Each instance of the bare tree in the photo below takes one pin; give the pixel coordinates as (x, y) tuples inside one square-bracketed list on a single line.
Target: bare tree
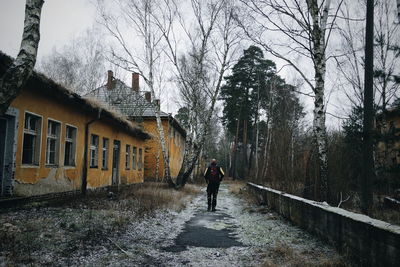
[(398, 10), (212, 40), (16, 76), (79, 65), (303, 30), (351, 61), (138, 48)]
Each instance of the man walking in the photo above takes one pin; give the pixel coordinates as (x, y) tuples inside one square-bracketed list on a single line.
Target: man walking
[(213, 176)]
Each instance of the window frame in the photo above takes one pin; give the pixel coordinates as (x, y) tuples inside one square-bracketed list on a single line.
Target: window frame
[(140, 159), (57, 138), (74, 143), (38, 142), (127, 157), (105, 153), (134, 158), (95, 148)]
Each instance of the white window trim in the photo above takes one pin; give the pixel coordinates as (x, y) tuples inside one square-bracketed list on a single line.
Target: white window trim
[(90, 150), (127, 157), (140, 157), (76, 145), (107, 152), (40, 140), (134, 159), (57, 163)]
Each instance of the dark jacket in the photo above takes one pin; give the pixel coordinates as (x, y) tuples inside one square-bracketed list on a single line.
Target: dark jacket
[(207, 173)]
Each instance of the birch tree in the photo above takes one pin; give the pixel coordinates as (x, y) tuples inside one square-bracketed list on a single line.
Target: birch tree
[(302, 31), (139, 48), (212, 39), (79, 65), (16, 76)]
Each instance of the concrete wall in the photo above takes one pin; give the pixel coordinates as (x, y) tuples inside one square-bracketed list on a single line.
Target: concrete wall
[(368, 241)]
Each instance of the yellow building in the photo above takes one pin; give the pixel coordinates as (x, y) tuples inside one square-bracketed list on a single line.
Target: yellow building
[(138, 106), (53, 140)]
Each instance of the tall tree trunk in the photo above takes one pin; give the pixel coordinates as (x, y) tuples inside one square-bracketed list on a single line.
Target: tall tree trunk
[(319, 128), (368, 161), (257, 132), (16, 76), (398, 10), (185, 171), (245, 163), (234, 149)]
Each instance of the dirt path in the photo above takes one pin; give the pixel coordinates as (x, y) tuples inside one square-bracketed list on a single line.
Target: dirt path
[(237, 234)]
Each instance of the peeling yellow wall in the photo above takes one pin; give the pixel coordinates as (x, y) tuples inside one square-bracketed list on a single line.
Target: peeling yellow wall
[(175, 145), (32, 180)]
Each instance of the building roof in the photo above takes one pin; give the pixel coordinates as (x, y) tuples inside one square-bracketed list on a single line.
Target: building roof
[(127, 101), (43, 85), (130, 103)]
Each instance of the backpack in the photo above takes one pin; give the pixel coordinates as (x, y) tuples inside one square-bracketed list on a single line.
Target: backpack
[(214, 174)]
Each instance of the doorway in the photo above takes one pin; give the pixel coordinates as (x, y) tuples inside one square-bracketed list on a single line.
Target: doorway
[(3, 136), (115, 162), (8, 134)]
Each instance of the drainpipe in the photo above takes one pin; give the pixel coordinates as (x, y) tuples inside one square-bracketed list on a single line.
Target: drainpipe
[(85, 154)]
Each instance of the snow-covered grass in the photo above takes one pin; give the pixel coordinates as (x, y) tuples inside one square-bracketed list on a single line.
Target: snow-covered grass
[(66, 233)]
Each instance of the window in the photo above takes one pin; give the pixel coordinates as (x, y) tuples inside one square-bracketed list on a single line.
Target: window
[(94, 150), (31, 145), (134, 158), (53, 142), (70, 146), (105, 154), (140, 160), (127, 157)]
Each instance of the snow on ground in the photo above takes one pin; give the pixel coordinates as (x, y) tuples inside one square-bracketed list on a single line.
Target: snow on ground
[(263, 236)]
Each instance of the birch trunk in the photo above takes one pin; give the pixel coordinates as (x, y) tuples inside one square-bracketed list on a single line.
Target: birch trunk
[(184, 175), (319, 128), (16, 76), (398, 10)]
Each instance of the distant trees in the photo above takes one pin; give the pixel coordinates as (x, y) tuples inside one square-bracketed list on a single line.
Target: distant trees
[(303, 30), (16, 76), (263, 116), (80, 64), (245, 90)]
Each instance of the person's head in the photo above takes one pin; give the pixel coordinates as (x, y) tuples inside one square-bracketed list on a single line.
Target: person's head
[(213, 162)]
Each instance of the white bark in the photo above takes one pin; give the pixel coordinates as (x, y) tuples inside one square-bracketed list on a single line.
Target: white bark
[(139, 17), (16, 76), (305, 32), (211, 42), (319, 29)]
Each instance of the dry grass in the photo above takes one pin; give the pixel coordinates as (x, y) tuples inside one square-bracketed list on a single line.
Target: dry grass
[(83, 223), (284, 255), (152, 196), (240, 189)]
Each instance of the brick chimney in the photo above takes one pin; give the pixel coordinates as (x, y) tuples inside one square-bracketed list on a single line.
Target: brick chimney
[(135, 82), (110, 79), (147, 96)]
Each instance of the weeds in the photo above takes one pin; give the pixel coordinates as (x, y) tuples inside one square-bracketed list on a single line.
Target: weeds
[(284, 255), (74, 226)]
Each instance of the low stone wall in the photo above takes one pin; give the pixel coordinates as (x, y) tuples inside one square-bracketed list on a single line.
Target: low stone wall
[(368, 241)]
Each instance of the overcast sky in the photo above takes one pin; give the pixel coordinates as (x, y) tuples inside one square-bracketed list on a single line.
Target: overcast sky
[(61, 21)]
